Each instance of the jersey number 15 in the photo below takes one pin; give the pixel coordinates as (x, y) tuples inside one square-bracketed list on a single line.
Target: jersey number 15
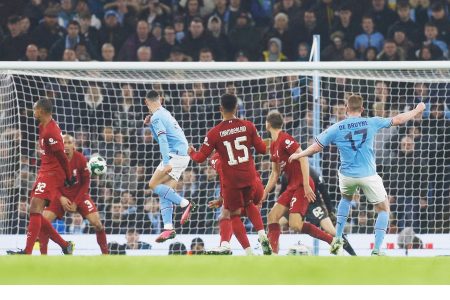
[(237, 146)]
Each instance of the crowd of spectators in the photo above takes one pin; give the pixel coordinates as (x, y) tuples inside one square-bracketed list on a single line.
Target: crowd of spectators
[(223, 30)]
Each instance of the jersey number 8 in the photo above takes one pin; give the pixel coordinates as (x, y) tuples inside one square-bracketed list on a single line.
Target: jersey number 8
[(237, 146)]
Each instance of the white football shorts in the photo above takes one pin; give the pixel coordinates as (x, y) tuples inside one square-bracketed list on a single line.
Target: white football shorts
[(372, 187), (179, 164)]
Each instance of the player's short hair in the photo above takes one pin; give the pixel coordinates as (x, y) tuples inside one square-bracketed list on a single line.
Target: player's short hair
[(152, 95), (45, 104), (275, 119), (69, 137), (354, 102), (228, 102)]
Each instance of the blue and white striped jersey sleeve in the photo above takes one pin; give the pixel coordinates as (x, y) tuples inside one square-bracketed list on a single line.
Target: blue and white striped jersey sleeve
[(327, 136), (377, 122)]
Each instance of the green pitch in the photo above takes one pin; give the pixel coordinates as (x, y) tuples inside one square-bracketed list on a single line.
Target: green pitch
[(222, 270)]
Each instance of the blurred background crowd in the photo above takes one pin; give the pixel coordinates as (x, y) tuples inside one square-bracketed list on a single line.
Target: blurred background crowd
[(223, 30)]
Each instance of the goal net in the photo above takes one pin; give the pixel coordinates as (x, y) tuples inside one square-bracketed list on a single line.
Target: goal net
[(104, 110)]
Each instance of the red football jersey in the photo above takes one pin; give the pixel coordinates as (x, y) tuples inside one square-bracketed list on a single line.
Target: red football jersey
[(280, 150), (50, 142), (78, 165), (233, 140)]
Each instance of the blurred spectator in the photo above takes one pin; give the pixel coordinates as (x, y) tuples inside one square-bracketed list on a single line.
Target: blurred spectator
[(235, 10), (70, 41), (156, 12), (311, 27), (326, 12), (43, 54), (335, 50), (405, 23), (369, 37), (89, 33), (108, 52), (31, 53), (219, 38), (112, 31), (144, 53), (382, 16), (346, 24), (403, 43), (95, 105), (281, 30), (178, 25), (349, 54), (191, 10), (431, 38), (370, 54), (113, 219), (222, 11), (34, 10), (189, 184), (177, 248), (66, 14), (82, 10), (407, 177), (25, 25), (48, 31), (241, 57), (168, 42), (244, 37), (142, 37), (196, 39), (261, 11), (14, 45), (127, 12), (197, 246), (133, 242), (69, 55), (440, 18), (152, 216), (274, 51), (205, 55), (391, 52), (77, 225), (303, 52)]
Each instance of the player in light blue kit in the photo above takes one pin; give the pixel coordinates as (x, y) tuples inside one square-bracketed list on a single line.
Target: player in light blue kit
[(173, 147), (354, 138)]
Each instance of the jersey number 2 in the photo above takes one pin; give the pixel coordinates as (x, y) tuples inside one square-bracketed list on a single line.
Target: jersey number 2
[(350, 137), (238, 146)]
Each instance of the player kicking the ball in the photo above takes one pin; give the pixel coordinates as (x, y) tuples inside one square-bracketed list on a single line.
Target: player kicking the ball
[(300, 190), (225, 228), (75, 198), (354, 138), (53, 174), (175, 159), (233, 139)]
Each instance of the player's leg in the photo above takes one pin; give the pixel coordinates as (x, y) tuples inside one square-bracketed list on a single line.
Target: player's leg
[(254, 215), (43, 235), (274, 229), (347, 187), (225, 231), (375, 193), (239, 231), (95, 221), (34, 227)]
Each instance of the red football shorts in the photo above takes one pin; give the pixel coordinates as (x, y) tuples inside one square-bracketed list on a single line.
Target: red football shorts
[(85, 207), (236, 198), (46, 187), (296, 200)]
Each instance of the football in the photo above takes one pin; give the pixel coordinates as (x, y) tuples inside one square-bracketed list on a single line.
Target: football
[(97, 165), (299, 249)]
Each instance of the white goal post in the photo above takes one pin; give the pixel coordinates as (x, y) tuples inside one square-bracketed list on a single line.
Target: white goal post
[(101, 105)]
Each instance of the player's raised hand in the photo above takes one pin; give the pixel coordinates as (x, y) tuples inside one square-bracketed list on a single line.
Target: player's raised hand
[(309, 193), (147, 119), (67, 204), (167, 169), (421, 107)]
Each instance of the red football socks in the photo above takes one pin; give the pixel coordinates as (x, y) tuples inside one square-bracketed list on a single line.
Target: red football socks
[(314, 231), (255, 217), (33, 231), (226, 230), (239, 231), (274, 235), (52, 233), (101, 240), (43, 242)]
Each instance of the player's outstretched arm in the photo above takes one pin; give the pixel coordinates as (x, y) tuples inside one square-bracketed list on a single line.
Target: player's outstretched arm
[(304, 165), (313, 149), (273, 178), (406, 116)]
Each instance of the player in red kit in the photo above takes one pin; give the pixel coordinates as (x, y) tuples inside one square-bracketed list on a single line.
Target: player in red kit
[(53, 174), (75, 198), (233, 139), (300, 190), (225, 229)]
